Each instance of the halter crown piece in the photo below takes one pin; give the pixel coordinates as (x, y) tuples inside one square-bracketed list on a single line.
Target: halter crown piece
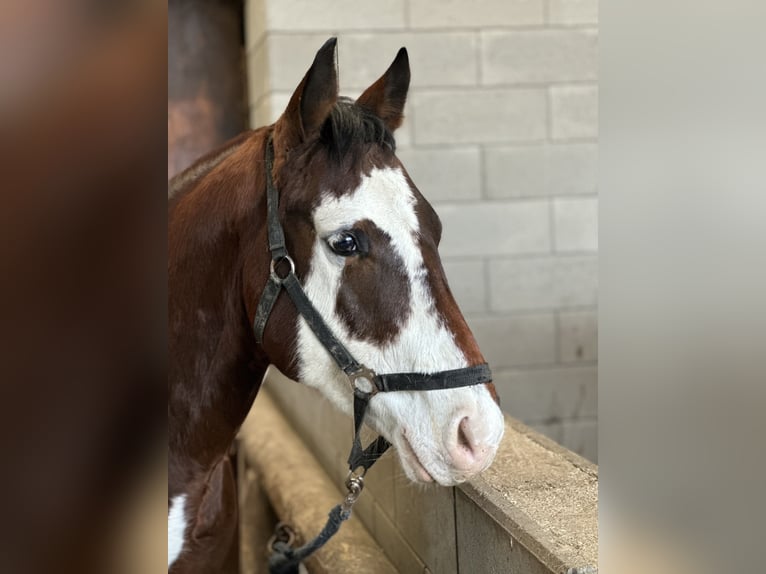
[(364, 382)]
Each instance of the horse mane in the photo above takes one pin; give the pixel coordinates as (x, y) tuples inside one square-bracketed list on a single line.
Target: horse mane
[(185, 179)]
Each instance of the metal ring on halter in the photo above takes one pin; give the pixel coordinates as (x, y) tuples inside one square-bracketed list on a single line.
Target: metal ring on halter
[(275, 262), (363, 380)]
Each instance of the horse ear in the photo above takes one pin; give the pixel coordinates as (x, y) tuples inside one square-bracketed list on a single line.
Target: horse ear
[(312, 100), (386, 97)]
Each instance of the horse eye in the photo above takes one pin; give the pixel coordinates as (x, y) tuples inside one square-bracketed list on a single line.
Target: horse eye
[(344, 244)]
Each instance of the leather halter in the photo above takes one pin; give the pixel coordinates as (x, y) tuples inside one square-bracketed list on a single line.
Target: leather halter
[(364, 382)]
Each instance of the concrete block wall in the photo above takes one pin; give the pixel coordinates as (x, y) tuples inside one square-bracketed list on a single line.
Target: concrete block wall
[(500, 135)]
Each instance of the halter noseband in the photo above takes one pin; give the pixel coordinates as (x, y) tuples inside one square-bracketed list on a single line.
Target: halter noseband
[(363, 380)]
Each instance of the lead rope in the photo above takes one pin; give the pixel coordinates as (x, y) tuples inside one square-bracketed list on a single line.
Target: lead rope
[(287, 560)]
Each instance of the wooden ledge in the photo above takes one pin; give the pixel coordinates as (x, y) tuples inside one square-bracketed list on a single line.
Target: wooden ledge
[(545, 496)]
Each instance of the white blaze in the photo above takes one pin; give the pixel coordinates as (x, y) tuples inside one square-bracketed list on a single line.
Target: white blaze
[(424, 344)]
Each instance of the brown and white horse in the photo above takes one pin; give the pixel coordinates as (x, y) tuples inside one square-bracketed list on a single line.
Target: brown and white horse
[(365, 245)]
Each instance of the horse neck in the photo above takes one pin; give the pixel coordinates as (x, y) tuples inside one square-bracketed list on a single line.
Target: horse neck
[(214, 368)]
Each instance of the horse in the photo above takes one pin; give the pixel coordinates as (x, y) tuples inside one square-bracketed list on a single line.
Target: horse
[(364, 246)]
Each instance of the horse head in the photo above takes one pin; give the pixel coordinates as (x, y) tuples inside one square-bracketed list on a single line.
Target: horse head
[(365, 245)]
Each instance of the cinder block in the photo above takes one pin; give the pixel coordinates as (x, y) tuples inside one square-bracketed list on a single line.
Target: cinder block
[(258, 74), (540, 170), (255, 22), (543, 395), (527, 56), (270, 108), (580, 436), (444, 174), (459, 14), (576, 224), (425, 516), (260, 115), (573, 11), (467, 281), (577, 336), (543, 283), (574, 112), (437, 59), (497, 228), (516, 340), (403, 135), (334, 15), (253, 116), (479, 116), (283, 60)]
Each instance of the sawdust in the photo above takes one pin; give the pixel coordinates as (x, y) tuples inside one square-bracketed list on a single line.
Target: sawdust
[(555, 489)]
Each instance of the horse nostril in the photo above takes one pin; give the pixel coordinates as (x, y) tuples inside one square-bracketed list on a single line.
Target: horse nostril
[(468, 451), (462, 436)]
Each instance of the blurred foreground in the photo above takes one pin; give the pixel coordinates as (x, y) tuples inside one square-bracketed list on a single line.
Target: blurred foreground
[(82, 295)]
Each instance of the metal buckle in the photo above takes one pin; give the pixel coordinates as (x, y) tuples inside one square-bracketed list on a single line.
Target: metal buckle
[(354, 486), (363, 380), (275, 262)]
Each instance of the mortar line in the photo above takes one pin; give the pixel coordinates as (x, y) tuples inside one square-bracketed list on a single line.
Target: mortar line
[(527, 256), (509, 85), (531, 312), (446, 29), (549, 112), (483, 192), (487, 290), (410, 117), (529, 368), (479, 51), (506, 200), (552, 224)]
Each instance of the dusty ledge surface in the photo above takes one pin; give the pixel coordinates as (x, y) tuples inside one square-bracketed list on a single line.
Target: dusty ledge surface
[(545, 496)]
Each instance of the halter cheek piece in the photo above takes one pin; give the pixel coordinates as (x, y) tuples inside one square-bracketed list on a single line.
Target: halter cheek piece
[(364, 382)]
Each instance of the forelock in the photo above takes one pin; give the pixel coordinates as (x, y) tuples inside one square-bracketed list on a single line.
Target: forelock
[(349, 127)]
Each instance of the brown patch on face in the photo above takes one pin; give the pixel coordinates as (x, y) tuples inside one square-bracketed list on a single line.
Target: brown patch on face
[(374, 297), (301, 175), (446, 306)]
